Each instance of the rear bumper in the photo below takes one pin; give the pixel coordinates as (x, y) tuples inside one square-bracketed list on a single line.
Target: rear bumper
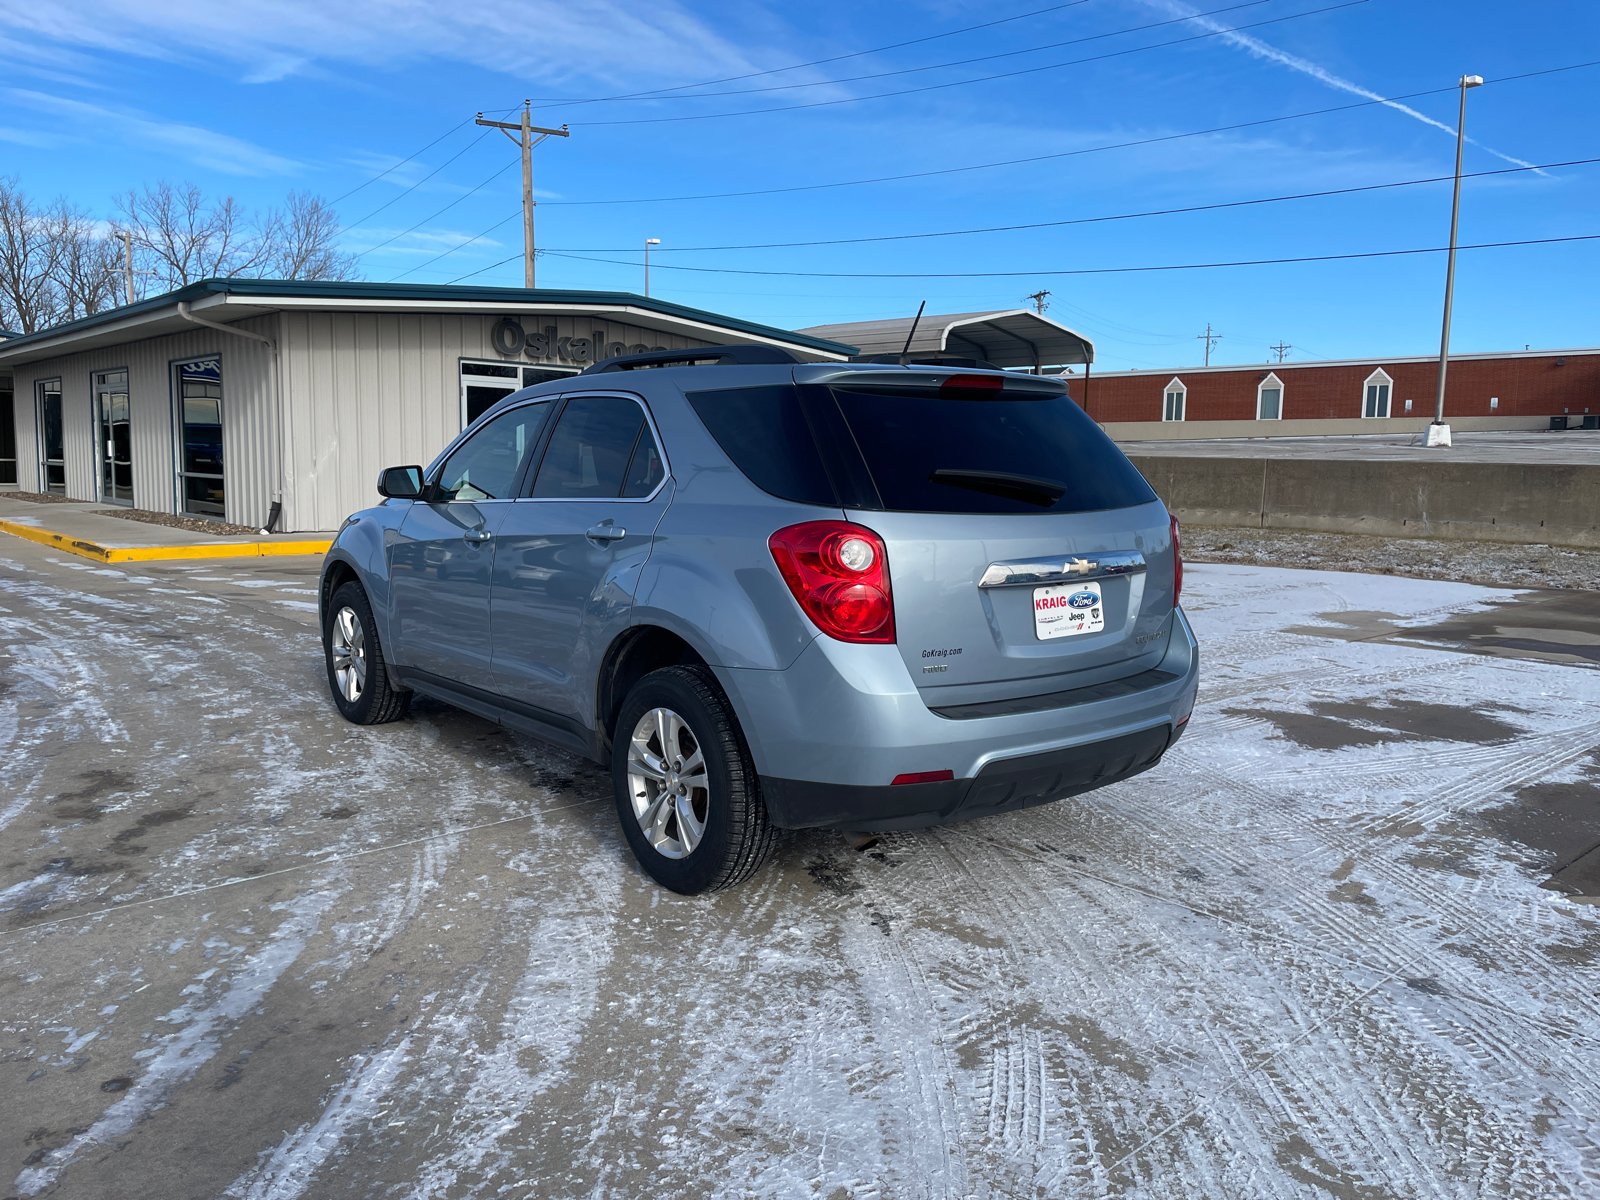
[(1002, 786), (829, 734)]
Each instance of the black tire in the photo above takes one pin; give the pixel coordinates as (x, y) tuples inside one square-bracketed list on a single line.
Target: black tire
[(376, 699), (736, 835)]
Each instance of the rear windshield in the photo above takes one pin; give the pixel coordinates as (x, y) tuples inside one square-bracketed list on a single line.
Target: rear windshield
[(922, 452)]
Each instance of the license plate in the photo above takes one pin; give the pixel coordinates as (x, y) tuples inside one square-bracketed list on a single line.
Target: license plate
[(1067, 609)]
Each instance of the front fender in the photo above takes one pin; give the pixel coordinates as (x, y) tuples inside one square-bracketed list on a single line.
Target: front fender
[(362, 546)]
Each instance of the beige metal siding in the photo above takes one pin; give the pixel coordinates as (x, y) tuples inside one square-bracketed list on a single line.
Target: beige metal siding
[(370, 390), (249, 438)]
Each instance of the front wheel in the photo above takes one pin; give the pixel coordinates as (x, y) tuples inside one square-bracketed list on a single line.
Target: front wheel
[(688, 796), (357, 673)]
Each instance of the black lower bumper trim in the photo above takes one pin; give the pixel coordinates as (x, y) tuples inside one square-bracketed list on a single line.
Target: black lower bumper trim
[(1109, 690), (1002, 786)]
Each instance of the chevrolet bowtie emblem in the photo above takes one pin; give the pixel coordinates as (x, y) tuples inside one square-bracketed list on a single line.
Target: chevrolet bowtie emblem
[(1081, 565)]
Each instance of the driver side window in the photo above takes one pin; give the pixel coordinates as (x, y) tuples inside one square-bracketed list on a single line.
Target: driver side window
[(486, 465)]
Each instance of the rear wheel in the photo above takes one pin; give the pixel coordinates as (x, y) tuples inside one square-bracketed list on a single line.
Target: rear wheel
[(357, 673), (687, 792)]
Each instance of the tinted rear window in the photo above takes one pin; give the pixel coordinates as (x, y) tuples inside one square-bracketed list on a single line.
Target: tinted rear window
[(764, 432), (928, 453)]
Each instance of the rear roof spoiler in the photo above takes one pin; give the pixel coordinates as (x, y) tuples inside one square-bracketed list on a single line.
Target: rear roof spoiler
[(721, 356)]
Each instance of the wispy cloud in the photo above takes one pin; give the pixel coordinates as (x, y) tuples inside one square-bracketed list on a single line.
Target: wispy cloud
[(1259, 49), (204, 147), (609, 42)]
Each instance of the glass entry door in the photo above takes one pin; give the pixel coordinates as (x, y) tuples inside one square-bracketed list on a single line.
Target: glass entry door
[(52, 455), (116, 441), (200, 474)]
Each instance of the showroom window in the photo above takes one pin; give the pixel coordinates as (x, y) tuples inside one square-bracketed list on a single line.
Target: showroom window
[(483, 384)]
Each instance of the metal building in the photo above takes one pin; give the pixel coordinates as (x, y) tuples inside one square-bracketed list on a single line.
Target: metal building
[(230, 396), (1015, 337)]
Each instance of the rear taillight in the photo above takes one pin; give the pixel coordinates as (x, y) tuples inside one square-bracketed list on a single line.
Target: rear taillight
[(839, 573), (1177, 563)]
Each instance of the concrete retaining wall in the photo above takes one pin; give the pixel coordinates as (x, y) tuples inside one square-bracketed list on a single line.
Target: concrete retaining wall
[(1492, 502), (1190, 431)]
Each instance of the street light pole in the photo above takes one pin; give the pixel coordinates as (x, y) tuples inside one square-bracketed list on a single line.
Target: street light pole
[(1439, 432), (648, 242)]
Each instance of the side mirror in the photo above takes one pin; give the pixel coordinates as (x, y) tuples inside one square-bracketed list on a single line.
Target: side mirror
[(400, 483)]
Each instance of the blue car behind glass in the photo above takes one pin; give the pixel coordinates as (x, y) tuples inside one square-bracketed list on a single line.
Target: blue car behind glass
[(774, 594)]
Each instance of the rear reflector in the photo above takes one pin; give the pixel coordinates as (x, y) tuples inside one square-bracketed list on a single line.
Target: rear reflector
[(924, 777)]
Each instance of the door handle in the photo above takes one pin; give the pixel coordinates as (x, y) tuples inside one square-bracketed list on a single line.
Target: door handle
[(476, 535), (605, 533)]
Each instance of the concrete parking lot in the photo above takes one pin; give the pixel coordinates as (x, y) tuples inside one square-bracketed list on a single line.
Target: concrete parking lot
[(1342, 942)]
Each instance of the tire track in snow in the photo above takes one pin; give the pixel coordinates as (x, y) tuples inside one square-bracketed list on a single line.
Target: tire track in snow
[(199, 1035)]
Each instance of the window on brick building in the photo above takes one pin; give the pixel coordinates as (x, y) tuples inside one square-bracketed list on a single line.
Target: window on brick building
[(1269, 399), (1172, 408), (1378, 387)]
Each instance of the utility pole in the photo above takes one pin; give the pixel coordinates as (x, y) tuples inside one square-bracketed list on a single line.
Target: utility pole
[(1281, 349), (525, 139), (1210, 339), (1041, 301), (648, 242), (127, 259), (1439, 432)]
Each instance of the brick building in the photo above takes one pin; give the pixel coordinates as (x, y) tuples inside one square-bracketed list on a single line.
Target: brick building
[(1516, 390)]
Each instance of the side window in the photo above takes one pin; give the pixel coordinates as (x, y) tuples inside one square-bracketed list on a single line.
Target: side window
[(600, 445), (486, 465), (646, 470)]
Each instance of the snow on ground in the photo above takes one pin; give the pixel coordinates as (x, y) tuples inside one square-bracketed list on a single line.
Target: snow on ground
[(249, 951)]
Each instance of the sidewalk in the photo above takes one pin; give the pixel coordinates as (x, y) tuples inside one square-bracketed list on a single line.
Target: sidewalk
[(79, 528)]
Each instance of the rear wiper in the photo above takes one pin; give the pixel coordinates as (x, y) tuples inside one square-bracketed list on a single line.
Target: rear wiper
[(1026, 488)]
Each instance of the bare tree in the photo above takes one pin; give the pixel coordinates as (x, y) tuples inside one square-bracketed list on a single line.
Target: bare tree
[(88, 274), (57, 264), (302, 241), (29, 256), (183, 239), (180, 237)]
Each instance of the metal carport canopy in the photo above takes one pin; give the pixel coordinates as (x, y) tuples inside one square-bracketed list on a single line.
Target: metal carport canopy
[(1016, 337)]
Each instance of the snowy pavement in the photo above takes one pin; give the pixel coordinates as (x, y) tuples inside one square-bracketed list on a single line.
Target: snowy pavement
[(249, 951)]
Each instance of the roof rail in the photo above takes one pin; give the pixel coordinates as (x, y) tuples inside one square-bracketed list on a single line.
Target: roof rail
[(722, 356)]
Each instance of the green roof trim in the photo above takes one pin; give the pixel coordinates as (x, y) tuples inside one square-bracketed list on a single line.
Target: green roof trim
[(268, 289)]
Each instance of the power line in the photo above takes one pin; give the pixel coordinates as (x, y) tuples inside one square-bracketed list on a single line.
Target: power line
[(1158, 212), (1015, 162), (441, 212), (665, 93), (402, 194), (462, 245), (1254, 262), (960, 62), (398, 165), (934, 87), (1162, 212)]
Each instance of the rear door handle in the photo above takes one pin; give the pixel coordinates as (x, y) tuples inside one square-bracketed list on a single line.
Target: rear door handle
[(476, 535), (605, 533)]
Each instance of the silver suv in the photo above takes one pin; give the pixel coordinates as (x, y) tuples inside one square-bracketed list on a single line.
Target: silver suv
[(774, 594)]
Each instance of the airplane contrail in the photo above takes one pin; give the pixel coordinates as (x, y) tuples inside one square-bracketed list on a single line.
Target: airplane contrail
[(1259, 49)]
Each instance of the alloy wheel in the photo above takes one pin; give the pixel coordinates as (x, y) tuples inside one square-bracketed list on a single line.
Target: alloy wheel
[(668, 783), (347, 642)]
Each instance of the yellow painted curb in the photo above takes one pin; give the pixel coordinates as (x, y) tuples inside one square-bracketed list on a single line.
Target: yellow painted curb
[(112, 554)]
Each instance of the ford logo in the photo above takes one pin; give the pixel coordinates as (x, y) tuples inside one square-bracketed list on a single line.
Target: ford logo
[(1082, 600)]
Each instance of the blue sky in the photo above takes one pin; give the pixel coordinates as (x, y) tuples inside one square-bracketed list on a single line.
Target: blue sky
[(257, 97)]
